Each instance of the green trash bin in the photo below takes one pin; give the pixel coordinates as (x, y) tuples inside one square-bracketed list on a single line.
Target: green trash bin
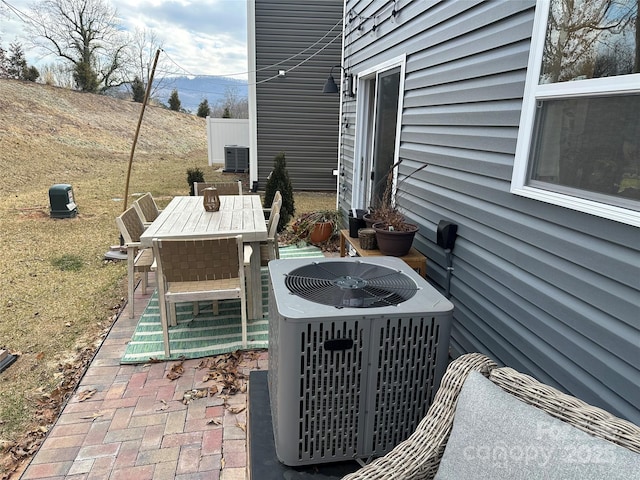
[(61, 201)]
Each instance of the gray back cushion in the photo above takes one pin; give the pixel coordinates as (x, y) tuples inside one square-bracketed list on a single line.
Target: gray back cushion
[(496, 436)]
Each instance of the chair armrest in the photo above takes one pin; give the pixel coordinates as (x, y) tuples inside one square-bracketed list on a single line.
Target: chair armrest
[(133, 245), (248, 252), (144, 258), (418, 457)]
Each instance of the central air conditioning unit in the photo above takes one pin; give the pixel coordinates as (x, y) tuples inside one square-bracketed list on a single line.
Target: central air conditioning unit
[(236, 159), (357, 349)]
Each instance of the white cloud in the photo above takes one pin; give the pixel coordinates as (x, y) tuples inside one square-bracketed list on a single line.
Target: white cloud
[(204, 37)]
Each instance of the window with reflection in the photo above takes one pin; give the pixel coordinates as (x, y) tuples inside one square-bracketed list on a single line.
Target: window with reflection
[(582, 124), (590, 39)]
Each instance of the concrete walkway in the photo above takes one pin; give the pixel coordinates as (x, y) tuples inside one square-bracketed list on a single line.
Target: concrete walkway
[(136, 426)]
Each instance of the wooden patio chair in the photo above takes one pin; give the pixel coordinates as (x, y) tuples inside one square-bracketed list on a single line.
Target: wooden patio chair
[(275, 208), (147, 208), (269, 248), (275, 204), (224, 188), (200, 270), (138, 259)]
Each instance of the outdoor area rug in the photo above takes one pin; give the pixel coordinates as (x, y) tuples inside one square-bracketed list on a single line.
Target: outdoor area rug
[(205, 334)]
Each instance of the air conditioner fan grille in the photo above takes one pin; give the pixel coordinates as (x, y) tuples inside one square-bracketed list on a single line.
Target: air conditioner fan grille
[(350, 284)]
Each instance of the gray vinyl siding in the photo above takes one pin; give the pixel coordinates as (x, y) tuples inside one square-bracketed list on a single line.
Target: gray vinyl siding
[(544, 289), (293, 115)]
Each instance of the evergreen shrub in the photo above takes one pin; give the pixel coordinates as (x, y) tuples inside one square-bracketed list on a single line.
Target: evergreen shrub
[(174, 101), (203, 109), (194, 175), (279, 180), (138, 90)]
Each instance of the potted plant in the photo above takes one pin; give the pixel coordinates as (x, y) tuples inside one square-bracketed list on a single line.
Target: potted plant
[(394, 234), (317, 227)]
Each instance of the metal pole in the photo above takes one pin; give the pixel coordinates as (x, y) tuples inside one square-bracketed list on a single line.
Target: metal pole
[(135, 138), (449, 270)]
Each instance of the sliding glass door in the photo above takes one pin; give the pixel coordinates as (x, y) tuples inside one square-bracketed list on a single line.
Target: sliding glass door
[(379, 108)]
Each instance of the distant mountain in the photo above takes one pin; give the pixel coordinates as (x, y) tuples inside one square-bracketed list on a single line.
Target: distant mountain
[(192, 90)]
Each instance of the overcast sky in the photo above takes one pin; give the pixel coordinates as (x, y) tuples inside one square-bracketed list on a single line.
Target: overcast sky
[(204, 37)]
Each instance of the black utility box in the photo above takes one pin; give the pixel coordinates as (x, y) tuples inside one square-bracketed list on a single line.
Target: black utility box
[(61, 200)]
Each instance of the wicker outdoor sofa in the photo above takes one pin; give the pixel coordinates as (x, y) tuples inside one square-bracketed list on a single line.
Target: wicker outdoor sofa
[(581, 456)]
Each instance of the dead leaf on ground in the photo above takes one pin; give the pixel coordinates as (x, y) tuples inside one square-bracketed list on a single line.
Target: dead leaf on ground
[(176, 370), (194, 394), (93, 416), (86, 394), (203, 364), (236, 409), (223, 370)]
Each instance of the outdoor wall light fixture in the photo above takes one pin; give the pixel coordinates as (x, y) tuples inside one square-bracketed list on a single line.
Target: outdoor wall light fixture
[(330, 85)]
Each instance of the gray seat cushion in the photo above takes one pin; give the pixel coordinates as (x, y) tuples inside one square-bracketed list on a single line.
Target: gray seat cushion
[(496, 436)]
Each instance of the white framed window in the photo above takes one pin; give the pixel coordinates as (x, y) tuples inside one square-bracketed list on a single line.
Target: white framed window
[(579, 138)]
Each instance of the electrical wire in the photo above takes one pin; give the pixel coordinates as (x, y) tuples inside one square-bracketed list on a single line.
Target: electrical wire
[(274, 64), (304, 61), (217, 94), (352, 16), (303, 51), (21, 16), (270, 66)]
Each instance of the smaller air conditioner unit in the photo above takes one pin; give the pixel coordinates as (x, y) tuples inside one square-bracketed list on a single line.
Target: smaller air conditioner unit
[(236, 159)]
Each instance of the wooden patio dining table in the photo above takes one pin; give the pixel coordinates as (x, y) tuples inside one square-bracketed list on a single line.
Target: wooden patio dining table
[(185, 217)]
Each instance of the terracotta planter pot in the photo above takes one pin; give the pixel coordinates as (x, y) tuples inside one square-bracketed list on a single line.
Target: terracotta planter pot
[(394, 242), (321, 232)]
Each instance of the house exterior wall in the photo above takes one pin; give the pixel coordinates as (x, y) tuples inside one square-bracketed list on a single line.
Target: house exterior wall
[(222, 132), (292, 113), (543, 289)]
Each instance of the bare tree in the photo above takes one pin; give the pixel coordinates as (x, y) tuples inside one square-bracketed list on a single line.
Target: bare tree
[(232, 103), (85, 34), (58, 74), (616, 59), (143, 47), (578, 31)]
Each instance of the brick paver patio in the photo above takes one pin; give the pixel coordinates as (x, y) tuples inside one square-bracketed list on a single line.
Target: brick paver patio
[(136, 426)]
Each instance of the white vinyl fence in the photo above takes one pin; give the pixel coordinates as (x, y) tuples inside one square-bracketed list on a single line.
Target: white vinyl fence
[(222, 132)]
